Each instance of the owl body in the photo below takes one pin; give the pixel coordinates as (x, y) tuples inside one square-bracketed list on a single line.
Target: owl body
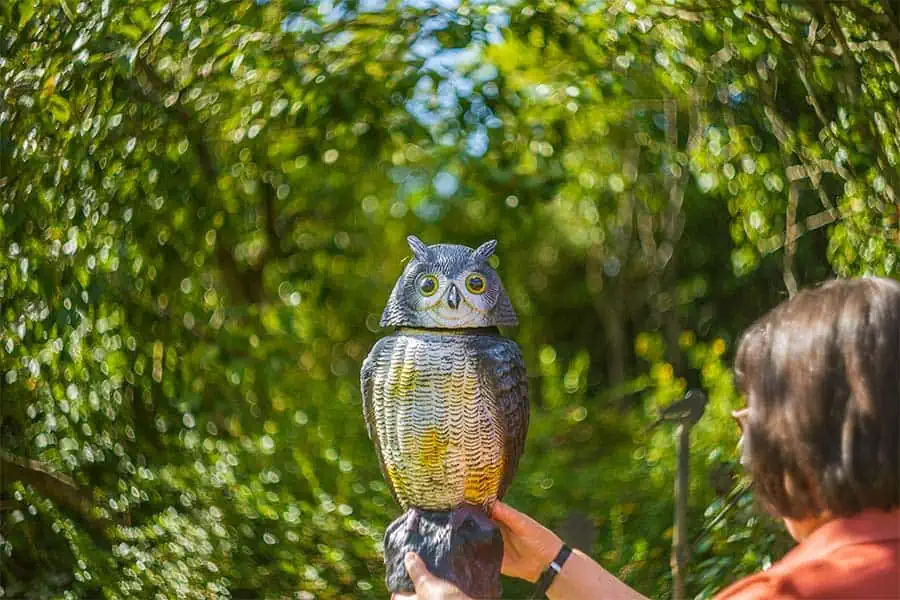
[(445, 410), (445, 397)]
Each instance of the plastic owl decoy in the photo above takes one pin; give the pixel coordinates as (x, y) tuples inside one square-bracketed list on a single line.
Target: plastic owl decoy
[(445, 397)]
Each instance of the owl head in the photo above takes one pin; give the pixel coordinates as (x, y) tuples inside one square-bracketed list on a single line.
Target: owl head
[(447, 286)]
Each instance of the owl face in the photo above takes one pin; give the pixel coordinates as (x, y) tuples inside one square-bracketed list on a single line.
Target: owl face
[(447, 286)]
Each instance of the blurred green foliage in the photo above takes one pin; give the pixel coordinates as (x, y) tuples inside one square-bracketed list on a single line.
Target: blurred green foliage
[(203, 207)]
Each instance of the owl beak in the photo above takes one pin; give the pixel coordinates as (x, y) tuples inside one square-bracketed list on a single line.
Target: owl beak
[(453, 297)]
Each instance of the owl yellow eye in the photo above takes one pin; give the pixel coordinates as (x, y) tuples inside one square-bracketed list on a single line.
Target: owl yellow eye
[(428, 285), (475, 283)]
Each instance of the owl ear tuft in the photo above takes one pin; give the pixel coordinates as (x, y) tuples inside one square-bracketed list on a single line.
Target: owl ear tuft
[(485, 251), (418, 247)]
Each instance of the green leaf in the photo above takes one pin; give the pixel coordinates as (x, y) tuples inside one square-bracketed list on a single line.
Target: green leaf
[(60, 108), (26, 11), (132, 32), (67, 10)]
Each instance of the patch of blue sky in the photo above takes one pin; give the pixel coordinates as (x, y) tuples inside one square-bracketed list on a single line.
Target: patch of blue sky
[(340, 39), (296, 23), (494, 36), (425, 84), (425, 47), (449, 74), (445, 184), (399, 174), (447, 94), (332, 12), (463, 86), (478, 112), (484, 72), (447, 62), (367, 6), (448, 139), (493, 122), (429, 211), (498, 18), (430, 4), (423, 115), (477, 142)]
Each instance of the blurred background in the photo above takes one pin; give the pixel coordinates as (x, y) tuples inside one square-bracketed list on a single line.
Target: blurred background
[(204, 205)]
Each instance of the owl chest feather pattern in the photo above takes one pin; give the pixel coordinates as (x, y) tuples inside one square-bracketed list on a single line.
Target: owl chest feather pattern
[(437, 420)]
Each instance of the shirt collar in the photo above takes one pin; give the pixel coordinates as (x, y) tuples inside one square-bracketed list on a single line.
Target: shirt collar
[(866, 527)]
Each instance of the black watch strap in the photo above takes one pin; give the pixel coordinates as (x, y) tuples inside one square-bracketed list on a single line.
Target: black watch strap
[(552, 570)]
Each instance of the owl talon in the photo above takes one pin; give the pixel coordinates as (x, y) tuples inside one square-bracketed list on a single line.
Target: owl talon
[(412, 520)]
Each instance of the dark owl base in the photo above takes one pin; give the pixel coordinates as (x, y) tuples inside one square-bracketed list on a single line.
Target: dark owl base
[(463, 547)]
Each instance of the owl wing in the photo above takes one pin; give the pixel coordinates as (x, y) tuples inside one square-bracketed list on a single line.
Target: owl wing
[(367, 384), (504, 370)]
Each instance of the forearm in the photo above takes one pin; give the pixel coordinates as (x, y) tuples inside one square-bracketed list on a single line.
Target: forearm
[(582, 578)]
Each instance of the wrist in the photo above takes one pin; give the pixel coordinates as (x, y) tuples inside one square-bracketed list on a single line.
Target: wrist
[(544, 557), (554, 568)]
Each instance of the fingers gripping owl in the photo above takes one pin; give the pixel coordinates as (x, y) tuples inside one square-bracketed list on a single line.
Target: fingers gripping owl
[(445, 400)]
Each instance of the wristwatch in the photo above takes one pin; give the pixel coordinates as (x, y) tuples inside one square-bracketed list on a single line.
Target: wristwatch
[(550, 573)]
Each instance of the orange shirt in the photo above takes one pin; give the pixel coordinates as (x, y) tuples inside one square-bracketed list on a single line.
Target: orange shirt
[(856, 557)]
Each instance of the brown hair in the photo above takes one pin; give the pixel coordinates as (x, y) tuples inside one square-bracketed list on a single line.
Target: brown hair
[(821, 373)]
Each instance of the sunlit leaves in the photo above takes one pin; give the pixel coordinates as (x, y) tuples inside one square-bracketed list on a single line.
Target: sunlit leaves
[(204, 206)]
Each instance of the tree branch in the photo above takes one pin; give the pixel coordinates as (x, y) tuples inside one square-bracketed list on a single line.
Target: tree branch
[(851, 69), (786, 138), (59, 488), (811, 223), (810, 93), (246, 283), (159, 23), (892, 20), (273, 240), (673, 219), (187, 119), (790, 282)]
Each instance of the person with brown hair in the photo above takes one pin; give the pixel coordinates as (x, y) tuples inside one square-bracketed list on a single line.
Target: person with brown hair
[(821, 439)]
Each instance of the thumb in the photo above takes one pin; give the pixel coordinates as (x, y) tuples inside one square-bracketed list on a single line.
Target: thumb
[(507, 515), (417, 570)]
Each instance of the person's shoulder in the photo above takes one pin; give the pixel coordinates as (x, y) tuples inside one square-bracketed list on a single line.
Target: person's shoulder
[(863, 571), (868, 570)]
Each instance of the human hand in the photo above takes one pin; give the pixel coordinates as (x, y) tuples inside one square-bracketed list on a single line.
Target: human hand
[(528, 546), (428, 587)]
